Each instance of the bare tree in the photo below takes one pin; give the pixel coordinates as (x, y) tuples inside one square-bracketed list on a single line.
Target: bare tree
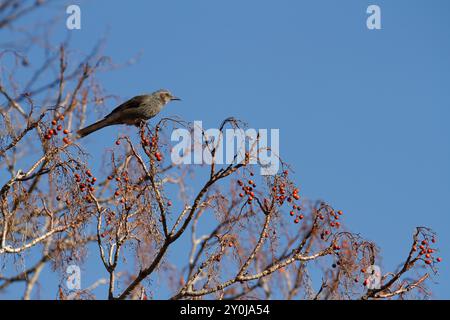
[(262, 239)]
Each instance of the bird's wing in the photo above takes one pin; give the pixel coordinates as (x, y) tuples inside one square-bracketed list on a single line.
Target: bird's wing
[(129, 104)]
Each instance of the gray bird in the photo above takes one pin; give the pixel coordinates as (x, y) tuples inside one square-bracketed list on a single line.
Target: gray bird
[(133, 112)]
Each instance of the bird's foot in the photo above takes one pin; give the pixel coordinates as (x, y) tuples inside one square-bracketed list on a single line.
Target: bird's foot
[(140, 124)]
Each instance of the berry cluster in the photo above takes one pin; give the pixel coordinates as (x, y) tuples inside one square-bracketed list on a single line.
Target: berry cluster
[(150, 143), (53, 131), (426, 252), (153, 145), (281, 195), (332, 221), (119, 179), (248, 189), (86, 184)]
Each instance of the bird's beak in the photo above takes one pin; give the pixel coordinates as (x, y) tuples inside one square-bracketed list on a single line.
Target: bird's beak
[(175, 99)]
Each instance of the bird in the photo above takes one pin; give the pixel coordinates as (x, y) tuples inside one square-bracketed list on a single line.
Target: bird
[(133, 112)]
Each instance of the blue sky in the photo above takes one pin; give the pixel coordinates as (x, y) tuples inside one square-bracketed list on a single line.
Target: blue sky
[(363, 115)]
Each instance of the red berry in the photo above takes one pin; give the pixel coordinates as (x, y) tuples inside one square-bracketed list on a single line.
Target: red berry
[(439, 259), (59, 128), (117, 142), (65, 131), (54, 122), (66, 140)]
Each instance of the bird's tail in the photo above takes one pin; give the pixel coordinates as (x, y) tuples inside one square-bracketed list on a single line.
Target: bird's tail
[(93, 127)]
